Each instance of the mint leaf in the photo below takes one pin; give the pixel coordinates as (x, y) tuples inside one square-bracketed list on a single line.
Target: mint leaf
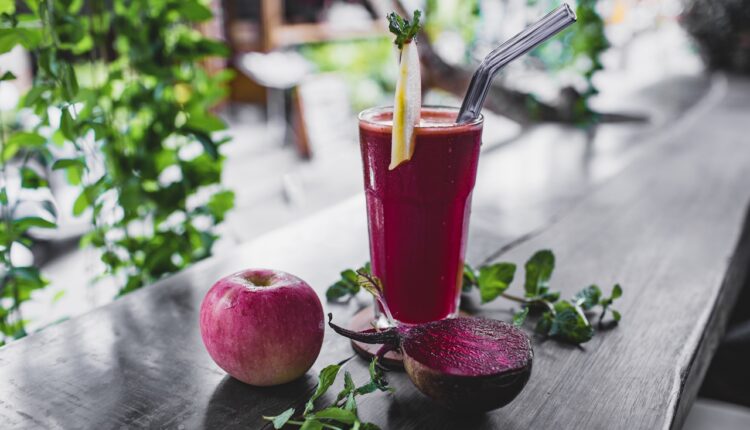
[(346, 287), (607, 302), (551, 296), (544, 324), (616, 292), (495, 279), (520, 316), (336, 414), (325, 380), (538, 273), (404, 30), (280, 420), (469, 278), (570, 324), (588, 297), (311, 424)]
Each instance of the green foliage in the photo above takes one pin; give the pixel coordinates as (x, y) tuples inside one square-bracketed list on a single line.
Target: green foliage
[(494, 279), (123, 81), (20, 153), (342, 414), (578, 49), (565, 320), (346, 287), (147, 104), (403, 29)]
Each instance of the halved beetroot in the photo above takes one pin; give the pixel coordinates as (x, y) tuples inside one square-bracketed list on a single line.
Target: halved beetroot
[(466, 364)]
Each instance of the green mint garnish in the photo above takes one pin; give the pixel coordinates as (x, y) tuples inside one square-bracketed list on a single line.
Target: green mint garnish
[(404, 30), (566, 320), (343, 412)]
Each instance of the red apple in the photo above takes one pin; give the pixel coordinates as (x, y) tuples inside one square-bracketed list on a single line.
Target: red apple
[(264, 327)]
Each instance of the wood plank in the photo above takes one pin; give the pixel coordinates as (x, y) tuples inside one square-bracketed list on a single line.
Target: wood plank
[(669, 227)]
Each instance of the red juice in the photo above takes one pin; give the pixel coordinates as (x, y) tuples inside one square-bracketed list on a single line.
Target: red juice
[(418, 213)]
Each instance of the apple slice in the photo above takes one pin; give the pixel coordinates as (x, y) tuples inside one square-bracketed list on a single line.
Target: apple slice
[(407, 105)]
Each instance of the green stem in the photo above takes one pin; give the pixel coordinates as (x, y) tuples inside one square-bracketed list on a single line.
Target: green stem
[(534, 301)]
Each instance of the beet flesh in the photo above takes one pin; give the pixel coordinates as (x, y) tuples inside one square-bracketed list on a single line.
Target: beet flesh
[(468, 364), (464, 364)]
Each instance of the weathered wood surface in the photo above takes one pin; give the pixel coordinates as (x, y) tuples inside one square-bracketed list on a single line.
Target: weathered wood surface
[(671, 227)]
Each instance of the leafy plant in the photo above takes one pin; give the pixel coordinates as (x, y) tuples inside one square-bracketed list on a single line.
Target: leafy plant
[(150, 176), (343, 412), (578, 49), (119, 87), (23, 159), (566, 320)]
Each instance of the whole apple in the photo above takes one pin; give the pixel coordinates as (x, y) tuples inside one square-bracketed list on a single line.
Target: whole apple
[(263, 327)]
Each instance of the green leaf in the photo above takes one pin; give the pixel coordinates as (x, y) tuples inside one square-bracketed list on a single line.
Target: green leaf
[(7, 6), (495, 279), (616, 315), (336, 414), (347, 286), (538, 273), (194, 11), (208, 144), (469, 278), (220, 203), (31, 179), (69, 81), (570, 324), (81, 204), (205, 122), (65, 163), (50, 207), (311, 424), (58, 295), (7, 76), (616, 292), (368, 426), (588, 297), (26, 139), (67, 125), (348, 382), (325, 380), (9, 38), (25, 223), (370, 283), (280, 420), (520, 316), (551, 296)]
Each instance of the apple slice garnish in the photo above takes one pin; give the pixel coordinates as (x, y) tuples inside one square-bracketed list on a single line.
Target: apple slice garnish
[(408, 101)]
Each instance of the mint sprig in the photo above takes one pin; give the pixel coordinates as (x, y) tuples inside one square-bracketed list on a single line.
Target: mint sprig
[(403, 29), (566, 320), (342, 414)]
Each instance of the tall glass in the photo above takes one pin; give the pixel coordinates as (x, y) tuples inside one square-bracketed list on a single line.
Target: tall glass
[(418, 213)]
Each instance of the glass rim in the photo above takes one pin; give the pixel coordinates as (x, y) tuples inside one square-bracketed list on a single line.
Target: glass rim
[(366, 117)]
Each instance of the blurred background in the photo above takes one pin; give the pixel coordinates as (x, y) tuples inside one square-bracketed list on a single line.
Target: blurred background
[(139, 137)]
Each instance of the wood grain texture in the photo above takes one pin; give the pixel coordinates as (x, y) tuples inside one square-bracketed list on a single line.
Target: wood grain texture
[(671, 227)]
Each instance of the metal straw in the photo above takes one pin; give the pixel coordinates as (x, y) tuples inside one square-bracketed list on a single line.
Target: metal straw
[(523, 42)]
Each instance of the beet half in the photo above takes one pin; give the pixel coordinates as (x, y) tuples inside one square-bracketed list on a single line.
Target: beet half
[(464, 364)]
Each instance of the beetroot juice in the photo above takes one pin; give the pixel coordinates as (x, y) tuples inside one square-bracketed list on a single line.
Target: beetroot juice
[(418, 213)]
